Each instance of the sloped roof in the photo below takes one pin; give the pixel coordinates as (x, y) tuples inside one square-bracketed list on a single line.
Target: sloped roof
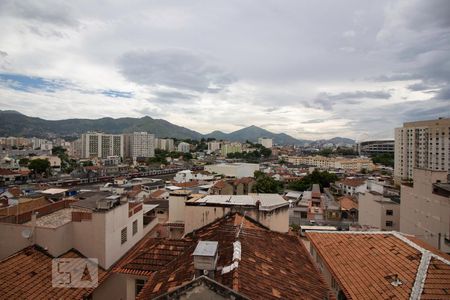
[(28, 275), (366, 263), (353, 182), (158, 193), (272, 266), (347, 203)]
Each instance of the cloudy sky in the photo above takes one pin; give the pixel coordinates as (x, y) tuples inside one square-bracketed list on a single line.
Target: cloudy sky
[(312, 69)]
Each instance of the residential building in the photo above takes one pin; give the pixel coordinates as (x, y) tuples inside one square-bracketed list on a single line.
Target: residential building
[(165, 144), (271, 210), (425, 208), (214, 146), (348, 164), (43, 144), (230, 148), (265, 142), (55, 161), (75, 149), (99, 225), (101, 145), (139, 144), (374, 147), (241, 186), (184, 147), (237, 170), (351, 186), (380, 265), (421, 144), (188, 175), (379, 211), (234, 257)]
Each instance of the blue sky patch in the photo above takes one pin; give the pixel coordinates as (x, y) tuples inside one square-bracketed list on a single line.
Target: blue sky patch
[(117, 94), (28, 83)]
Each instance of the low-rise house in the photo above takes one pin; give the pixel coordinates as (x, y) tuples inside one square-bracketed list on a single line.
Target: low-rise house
[(351, 186), (380, 265), (379, 211), (240, 186), (349, 208)]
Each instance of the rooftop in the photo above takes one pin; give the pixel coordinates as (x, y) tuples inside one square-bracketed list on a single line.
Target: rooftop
[(272, 265), (353, 182), (267, 201), (383, 265), (27, 275), (56, 219)]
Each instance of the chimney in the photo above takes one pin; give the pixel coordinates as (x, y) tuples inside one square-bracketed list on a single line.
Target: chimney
[(205, 258)]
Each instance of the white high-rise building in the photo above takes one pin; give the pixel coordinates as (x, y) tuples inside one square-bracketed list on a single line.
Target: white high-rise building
[(95, 144), (268, 143), (422, 144), (139, 144), (165, 144), (184, 147), (213, 146)]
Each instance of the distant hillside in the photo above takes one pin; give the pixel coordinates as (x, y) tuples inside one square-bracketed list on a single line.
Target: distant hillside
[(252, 133), (13, 123)]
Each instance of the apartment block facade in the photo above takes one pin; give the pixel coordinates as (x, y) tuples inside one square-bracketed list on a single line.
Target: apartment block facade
[(422, 144), (139, 144), (425, 208), (95, 144)]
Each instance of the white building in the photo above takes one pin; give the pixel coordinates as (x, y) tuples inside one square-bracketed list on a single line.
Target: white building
[(378, 211), (422, 144), (42, 144), (184, 147), (139, 144), (237, 170), (265, 142), (95, 144), (214, 146), (165, 144), (188, 175)]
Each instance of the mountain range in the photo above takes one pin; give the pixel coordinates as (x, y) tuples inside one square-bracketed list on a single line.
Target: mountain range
[(13, 123)]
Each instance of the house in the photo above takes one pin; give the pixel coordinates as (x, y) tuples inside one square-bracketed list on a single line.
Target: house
[(240, 186), (349, 208), (351, 186), (380, 265), (234, 257), (379, 211)]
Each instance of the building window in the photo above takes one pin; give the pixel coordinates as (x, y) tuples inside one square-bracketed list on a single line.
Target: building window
[(139, 284), (389, 212), (389, 223), (123, 236), (135, 227)]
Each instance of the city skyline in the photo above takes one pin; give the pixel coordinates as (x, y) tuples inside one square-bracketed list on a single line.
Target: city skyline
[(288, 68)]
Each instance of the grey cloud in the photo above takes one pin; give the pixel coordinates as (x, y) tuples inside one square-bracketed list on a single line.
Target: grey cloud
[(169, 97), (176, 68), (396, 77), (443, 94), (421, 86), (3, 53), (58, 13), (314, 121), (327, 101)]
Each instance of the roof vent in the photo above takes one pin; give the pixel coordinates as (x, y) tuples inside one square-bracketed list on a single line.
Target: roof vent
[(394, 280), (205, 257)]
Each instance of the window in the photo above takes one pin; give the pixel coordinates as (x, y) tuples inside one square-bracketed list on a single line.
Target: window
[(123, 236), (135, 227), (139, 284), (389, 212), (389, 223)]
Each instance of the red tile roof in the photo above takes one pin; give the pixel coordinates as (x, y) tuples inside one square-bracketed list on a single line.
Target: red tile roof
[(6, 172), (28, 275), (188, 184), (353, 182), (364, 264), (273, 265), (347, 203), (157, 193)]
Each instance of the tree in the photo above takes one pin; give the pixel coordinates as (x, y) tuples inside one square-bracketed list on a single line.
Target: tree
[(39, 166), (23, 162), (324, 179), (386, 159), (187, 156), (326, 152), (266, 184)]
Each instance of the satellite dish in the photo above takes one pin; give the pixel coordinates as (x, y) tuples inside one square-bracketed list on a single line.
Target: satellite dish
[(27, 233)]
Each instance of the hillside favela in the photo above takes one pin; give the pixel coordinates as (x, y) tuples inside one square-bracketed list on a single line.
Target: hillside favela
[(204, 150)]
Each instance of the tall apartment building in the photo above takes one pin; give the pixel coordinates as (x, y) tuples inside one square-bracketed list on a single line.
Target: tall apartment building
[(184, 147), (213, 146), (265, 142), (165, 144), (95, 144), (230, 148), (139, 144), (422, 144), (425, 208)]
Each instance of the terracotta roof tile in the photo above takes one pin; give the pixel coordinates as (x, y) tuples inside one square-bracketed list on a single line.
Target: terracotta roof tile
[(365, 264), (27, 275), (273, 265), (353, 182)]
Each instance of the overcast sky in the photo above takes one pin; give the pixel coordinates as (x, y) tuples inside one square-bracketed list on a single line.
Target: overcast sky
[(312, 69)]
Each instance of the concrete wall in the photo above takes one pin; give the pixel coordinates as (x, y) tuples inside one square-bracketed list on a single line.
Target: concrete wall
[(425, 214), (117, 287), (199, 216), (11, 239), (276, 220), (176, 208), (373, 213)]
